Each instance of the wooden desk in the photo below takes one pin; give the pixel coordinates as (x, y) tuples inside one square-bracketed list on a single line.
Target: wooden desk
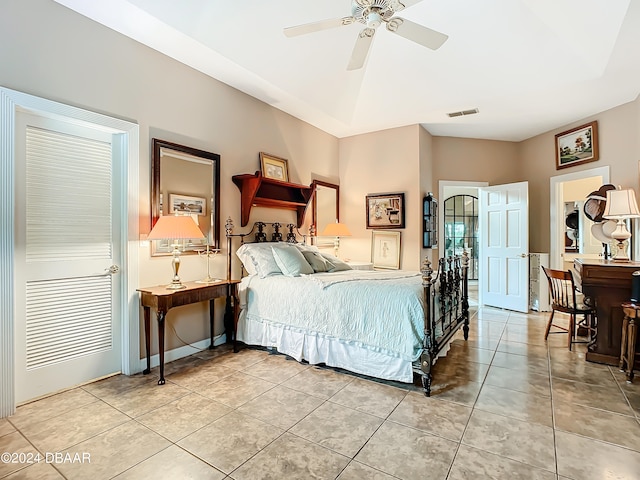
[(163, 300), (608, 284)]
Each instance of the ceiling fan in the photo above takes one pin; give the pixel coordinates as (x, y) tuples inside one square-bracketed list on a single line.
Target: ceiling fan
[(373, 13)]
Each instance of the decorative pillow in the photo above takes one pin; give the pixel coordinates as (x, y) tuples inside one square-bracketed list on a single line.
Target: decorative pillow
[(291, 261), (258, 259), (317, 261), (303, 247), (338, 265)]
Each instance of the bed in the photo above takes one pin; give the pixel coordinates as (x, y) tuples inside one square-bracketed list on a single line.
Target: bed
[(311, 306)]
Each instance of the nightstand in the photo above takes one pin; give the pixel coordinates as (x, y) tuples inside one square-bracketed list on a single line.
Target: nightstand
[(360, 265)]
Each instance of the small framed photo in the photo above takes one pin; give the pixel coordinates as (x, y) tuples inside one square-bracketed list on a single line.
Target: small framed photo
[(273, 167), (385, 211), (186, 204), (385, 250), (577, 146)]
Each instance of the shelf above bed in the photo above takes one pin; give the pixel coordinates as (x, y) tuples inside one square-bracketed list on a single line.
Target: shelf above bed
[(256, 190)]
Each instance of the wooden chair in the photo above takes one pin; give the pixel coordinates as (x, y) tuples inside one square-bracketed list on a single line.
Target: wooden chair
[(565, 299)]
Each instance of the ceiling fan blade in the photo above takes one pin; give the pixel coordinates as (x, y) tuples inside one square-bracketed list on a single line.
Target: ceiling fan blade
[(361, 49), (317, 26), (416, 33), (398, 5)]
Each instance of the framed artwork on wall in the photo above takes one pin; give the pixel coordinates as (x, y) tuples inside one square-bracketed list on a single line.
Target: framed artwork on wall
[(385, 211), (273, 167), (577, 146), (187, 204), (385, 250)]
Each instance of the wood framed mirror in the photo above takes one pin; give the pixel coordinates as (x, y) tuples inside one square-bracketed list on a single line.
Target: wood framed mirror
[(185, 181), (325, 205)]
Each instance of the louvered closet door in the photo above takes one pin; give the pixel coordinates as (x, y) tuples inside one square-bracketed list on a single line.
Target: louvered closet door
[(67, 330)]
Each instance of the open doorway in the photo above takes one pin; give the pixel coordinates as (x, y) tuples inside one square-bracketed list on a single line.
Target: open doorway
[(571, 232)]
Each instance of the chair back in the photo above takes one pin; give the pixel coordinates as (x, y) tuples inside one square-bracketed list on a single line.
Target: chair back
[(562, 289)]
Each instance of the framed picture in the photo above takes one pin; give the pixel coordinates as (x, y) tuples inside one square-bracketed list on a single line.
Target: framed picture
[(385, 250), (577, 146), (187, 204), (385, 211), (274, 167)]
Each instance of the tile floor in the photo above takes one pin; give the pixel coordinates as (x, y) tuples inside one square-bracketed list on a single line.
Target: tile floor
[(506, 405)]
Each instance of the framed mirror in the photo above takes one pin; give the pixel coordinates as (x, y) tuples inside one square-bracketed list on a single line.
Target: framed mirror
[(185, 181), (325, 205)]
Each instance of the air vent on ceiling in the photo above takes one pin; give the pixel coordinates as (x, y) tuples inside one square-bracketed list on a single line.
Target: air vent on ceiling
[(473, 111)]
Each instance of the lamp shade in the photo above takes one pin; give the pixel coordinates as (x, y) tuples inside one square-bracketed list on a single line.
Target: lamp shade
[(336, 230), (621, 204), (173, 227)]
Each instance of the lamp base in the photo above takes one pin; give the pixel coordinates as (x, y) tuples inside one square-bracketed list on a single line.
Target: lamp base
[(209, 280), (621, 235), (176, 286), (621, 253)]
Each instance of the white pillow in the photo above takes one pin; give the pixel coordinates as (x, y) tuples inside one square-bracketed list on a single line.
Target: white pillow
[(317, 261), (291, 261), (338, 265), (303, 247), (258, 259)]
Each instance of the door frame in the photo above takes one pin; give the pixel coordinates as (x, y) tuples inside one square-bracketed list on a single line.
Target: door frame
[(125, 142), (556, 204)]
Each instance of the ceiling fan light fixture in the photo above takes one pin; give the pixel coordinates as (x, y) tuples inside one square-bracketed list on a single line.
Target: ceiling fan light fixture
[(374, 20)]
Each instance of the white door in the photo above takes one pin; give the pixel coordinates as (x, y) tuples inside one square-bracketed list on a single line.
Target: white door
[(504, 246), (67, 331)]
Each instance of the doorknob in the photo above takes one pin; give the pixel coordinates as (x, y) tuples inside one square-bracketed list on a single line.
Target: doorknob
[(524, 255), (112, 270)]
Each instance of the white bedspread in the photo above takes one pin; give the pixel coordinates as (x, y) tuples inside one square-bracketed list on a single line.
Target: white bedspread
[(378, 313)]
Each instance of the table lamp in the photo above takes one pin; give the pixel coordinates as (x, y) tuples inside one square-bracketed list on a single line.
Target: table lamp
[(621, 204), (336, 230), (175, 227)]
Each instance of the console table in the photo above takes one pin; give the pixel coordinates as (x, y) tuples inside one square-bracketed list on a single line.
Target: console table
[(608, 284), (163, 299)]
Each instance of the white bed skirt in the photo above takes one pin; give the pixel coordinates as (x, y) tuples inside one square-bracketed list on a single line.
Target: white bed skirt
[(317, 349)]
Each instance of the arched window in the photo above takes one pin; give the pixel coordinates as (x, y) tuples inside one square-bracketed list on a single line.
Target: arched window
[(461, 229)]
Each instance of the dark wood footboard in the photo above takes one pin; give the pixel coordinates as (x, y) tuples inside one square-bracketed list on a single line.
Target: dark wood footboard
[(446, 299)]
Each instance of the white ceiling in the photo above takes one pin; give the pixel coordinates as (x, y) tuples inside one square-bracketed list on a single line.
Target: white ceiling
[(529, 66)]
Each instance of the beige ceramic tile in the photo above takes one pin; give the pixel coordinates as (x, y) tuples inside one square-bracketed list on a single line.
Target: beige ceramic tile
[(595, 396), (369, 397), (242, 359), (516, 348), (338, 428), (414, 452), (275, 368), (471, 463), (522, 381), (112, 452), (523, 406), (119, 384), (172, 463), (73, 426), (281, 406), (598, 424), (524, 442), (50, 407), (358, 471), (38, 471), (146, 398), (319, 382), (581, 458), (462, 371), (196, 378), (292, 458), (587, 372), (18, 448), (470, 354), (236, 389), (522, 363), (455, 390), (443, 418), (6, 427), (184, 416), (230, 441)]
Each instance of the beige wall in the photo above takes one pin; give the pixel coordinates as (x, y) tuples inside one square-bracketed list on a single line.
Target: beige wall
[(381, 162), (52, 52), (618, 133)]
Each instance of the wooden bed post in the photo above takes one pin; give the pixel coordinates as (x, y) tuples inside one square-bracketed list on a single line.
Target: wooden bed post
[(426, 358), (465, 293)]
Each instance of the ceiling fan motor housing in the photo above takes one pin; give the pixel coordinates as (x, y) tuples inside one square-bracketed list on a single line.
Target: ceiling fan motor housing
[(373, 12)]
